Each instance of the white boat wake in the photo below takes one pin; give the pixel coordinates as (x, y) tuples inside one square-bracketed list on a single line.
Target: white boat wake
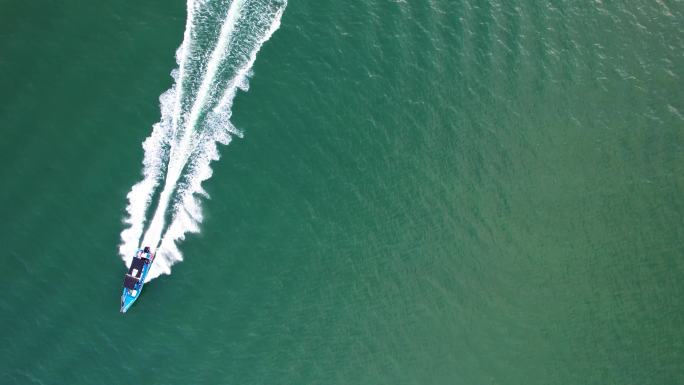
[(213, 63)]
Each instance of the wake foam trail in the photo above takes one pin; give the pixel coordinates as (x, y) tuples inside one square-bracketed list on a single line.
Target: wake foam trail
[(213, 63)]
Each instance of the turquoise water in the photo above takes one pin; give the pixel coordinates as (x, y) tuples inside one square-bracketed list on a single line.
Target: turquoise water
[(443, 193)]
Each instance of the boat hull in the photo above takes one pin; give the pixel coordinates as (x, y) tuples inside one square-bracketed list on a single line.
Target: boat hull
[(135, 279)]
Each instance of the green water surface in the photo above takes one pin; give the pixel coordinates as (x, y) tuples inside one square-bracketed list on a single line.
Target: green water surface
[(427, 192)]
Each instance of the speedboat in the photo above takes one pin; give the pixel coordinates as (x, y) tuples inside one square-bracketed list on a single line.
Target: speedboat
[(135, 278)]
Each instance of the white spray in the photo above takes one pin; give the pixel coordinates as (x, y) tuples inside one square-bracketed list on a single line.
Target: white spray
[(195, 117)]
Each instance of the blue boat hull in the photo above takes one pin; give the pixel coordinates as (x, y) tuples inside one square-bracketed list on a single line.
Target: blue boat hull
[(135, 279)]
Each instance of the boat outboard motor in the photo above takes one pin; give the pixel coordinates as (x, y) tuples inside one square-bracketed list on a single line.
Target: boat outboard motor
[(146, 249)]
